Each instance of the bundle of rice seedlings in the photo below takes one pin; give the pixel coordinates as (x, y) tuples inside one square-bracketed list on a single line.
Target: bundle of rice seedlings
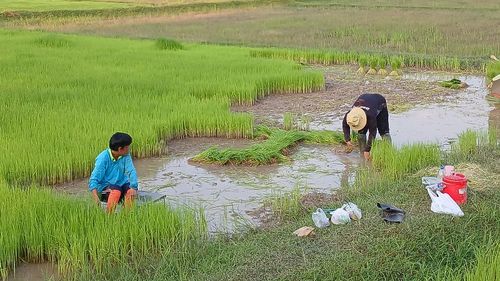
[(382, 63), (396, 66), (363, 62), (373, 66)]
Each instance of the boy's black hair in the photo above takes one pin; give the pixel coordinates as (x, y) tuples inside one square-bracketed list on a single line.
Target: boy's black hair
[(118, 140)]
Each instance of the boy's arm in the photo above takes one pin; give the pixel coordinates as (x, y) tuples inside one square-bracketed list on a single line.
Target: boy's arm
[(97, 175), (132, 175)]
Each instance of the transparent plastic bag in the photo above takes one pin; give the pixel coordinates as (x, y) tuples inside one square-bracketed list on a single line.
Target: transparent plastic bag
[(319, 218), (340, 216), (353, 210)]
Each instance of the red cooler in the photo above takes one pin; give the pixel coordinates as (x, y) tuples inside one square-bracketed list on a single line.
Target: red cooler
[(456, 186)]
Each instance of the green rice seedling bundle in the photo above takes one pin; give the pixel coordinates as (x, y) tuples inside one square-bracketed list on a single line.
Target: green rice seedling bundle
[(373, 65), (363, 63), (382, 63), (395, 66)]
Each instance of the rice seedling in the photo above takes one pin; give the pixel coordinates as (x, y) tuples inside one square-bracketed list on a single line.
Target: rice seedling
[(168, 44), (395, 66), (39, 225), (349, 57), (286, 206), (373, 65), (363, 63), (382, 63), (304, 122), (288, 121), (65, 95), (394, 163), (273, 150), (452, 84)]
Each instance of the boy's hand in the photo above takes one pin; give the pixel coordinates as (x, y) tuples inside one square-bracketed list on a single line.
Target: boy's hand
[(133, 192), (96, 197), (367, 156)]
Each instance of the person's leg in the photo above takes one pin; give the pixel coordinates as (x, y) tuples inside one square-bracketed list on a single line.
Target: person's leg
[(113, 198), (129, 196), (362, 142), (383, 124)]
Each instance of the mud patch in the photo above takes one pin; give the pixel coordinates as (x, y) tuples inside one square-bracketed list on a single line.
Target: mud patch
[(342, 87)]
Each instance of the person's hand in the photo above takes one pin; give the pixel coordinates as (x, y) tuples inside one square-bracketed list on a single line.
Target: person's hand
[(132, 192), (367, 156), (349, 147)]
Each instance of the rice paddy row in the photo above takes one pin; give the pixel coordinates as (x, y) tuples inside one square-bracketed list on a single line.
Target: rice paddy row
[(39, 225), (63, 96), (374, 61)]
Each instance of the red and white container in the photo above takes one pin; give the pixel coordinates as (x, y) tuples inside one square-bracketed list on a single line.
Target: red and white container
[(456, 186)]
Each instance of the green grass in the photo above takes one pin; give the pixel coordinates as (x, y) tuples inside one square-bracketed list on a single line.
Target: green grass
[(39, 225), (47, 5), (492, 69), (63, 96), (168, 44), (273, 150)]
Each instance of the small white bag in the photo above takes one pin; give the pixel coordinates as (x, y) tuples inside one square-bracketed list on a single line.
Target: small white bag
[(353, 210), (340, 216), (442, 203), (319, 218)]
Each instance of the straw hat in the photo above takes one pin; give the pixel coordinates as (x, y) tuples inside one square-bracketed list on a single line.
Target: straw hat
[(356, 118)]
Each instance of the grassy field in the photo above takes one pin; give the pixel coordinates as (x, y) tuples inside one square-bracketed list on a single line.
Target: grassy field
[(54, 5), (74, 92), (47, 5), (469, 31)]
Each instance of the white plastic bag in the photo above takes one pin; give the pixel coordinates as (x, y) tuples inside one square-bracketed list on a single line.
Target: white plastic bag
[(353, 210), (319, 218), (442, 203), (340, 216)]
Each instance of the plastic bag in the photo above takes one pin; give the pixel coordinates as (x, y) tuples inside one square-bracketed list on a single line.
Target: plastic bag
[(340, 216), (353, 210), (442, 203), (319, 218), (432, 183)]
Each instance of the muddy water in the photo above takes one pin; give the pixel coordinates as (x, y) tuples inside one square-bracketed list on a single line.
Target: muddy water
[(436, 122), (34, 271), (229, 193)]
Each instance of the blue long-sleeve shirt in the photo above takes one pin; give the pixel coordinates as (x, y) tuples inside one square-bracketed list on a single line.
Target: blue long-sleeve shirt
[(110, 171)]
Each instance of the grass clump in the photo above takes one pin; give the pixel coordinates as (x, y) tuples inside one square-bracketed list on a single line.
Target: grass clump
[(492, 69), (168, 44), (452, 84), (53, 41)]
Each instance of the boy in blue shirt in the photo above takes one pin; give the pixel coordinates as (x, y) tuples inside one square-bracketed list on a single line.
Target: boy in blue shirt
[(114, 173)]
